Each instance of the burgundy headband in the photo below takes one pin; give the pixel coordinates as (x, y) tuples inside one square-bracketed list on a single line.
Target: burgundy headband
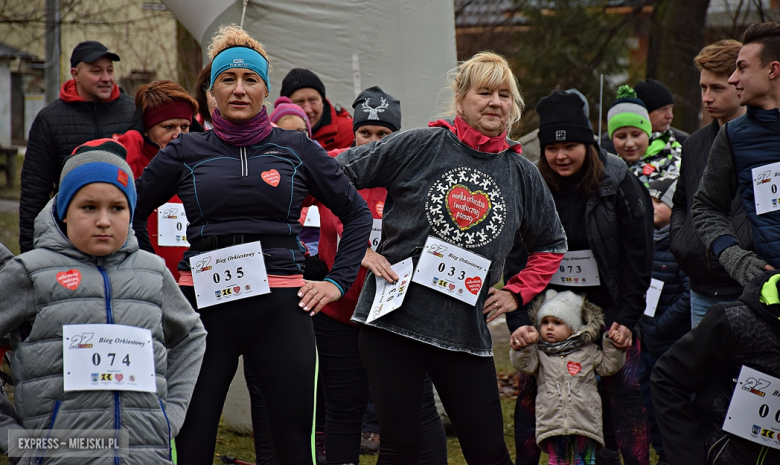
[(175, 109)]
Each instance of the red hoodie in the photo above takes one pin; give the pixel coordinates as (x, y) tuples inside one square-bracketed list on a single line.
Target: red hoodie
[(69, 94)]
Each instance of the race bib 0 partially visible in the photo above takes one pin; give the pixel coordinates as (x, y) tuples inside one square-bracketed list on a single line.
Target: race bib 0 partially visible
[(578, 269), (451, 270), (229, 274), (765, 186), (172, 226), (107, 358), (754, 411)]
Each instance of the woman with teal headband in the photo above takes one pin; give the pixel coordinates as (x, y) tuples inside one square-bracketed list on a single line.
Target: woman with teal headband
[(243, 183)]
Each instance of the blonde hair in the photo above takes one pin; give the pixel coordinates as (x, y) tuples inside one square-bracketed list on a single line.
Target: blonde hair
[(719, 58), (232, 35), (490, 70)]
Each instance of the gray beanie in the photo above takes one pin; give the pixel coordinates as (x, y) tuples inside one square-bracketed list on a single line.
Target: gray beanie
[(566, 306)]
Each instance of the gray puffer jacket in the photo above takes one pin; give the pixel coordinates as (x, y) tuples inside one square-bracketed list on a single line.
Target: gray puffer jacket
[(129, 287), (567, 401)]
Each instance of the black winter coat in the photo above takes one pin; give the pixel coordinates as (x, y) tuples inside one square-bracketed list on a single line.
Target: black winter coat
[(56, 131), (619, 224), (706, 362), (673, 315), (706, 273)]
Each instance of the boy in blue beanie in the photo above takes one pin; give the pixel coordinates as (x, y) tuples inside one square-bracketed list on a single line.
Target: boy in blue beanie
[(103, 339)]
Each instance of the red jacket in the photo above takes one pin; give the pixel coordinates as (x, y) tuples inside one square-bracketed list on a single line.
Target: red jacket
[(338, 134), (139, 155), (330, 227)]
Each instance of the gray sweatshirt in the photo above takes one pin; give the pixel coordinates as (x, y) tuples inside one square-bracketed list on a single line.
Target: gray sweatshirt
[(437, 186)]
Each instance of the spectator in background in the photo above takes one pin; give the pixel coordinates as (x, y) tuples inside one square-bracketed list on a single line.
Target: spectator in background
[(750, 142), (650, 156), (672, 316), (659, 101), (206, 102), (289, 116), (90, 107), (331, 126), (709, 281)]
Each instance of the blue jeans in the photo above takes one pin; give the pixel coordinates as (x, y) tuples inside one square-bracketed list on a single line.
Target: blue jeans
[(700, 303)]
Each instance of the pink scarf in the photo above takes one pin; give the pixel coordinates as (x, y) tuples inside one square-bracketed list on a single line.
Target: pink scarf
[(242, 134)]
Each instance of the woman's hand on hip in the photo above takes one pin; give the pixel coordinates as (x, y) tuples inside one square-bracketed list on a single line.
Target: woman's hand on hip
[(379, 265), (317, 294), (621, 336), (499, 302), (524, 336)]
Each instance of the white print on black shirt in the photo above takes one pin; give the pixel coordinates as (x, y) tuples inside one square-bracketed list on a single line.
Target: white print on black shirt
[(465, 207)]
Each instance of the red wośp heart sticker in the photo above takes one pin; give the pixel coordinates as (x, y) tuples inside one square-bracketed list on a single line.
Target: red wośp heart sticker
[(474, 284), (271, 177), (380, 208), (467, 208), (119, 377), (573, 368), (69, 279), (236, 289)]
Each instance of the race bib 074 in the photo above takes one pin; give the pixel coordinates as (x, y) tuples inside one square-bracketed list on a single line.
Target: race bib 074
[(107, 357)]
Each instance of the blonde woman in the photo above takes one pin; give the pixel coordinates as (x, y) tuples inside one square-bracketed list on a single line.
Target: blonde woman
[(240, 183), (458, 194)]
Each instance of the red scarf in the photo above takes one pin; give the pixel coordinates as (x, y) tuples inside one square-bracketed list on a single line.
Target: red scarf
[(475, 139)]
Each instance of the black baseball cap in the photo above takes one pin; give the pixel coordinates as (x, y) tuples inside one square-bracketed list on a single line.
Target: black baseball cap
[(90, 51)]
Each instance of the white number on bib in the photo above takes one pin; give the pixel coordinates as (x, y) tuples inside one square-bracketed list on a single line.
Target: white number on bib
[(312, 217), (172, 226), (578, 268), (229, 274), (376, 234), (451, 270), (389, 296), (754, 411), (107, 358), (765, 186)]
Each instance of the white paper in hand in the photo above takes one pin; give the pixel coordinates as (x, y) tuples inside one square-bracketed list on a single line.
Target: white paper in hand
[(653, 296), (390, 296)]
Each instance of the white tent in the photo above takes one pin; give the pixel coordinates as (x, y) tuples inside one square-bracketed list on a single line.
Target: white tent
[(407, 47)]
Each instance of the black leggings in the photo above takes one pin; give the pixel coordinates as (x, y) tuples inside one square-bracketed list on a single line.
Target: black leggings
[(346, 397), (396, 367), (276, 339)]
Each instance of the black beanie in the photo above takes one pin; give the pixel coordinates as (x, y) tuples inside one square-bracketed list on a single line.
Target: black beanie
[(562, 119), (374, 106), (654, 94), (299, 78)]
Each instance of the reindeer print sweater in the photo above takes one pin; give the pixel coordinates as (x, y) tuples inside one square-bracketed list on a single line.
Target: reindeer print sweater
[(438, 186)]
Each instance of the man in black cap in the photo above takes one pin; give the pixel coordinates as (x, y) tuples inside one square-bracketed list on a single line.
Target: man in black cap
[(330, 126), (90, 107), (660, 105)]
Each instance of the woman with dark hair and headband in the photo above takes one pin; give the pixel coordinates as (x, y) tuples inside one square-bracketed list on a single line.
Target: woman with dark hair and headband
[(242, 185)]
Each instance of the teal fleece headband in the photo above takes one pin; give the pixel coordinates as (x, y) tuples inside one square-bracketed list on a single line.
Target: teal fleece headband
[(240, 57)]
